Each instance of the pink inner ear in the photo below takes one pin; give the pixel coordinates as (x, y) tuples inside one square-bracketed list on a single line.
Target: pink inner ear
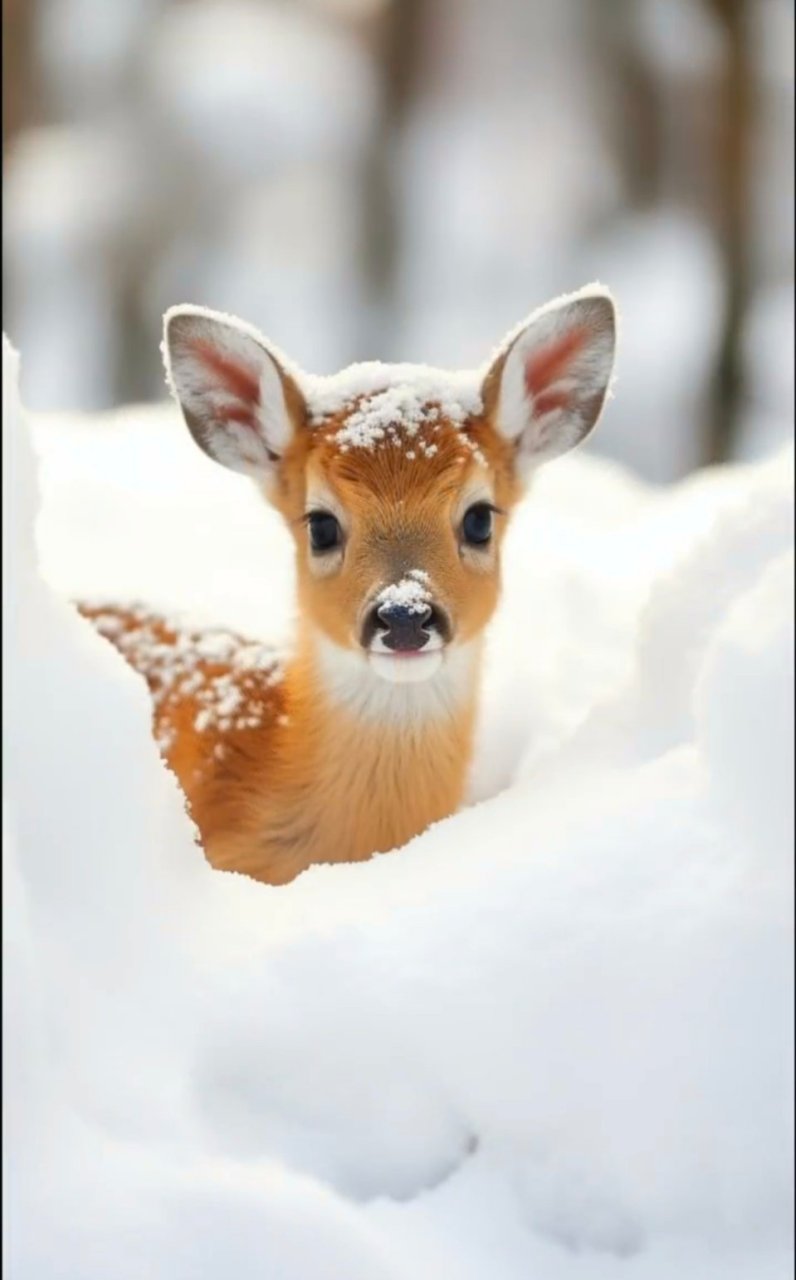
[(235, 377), (545, 366), (236, 413)]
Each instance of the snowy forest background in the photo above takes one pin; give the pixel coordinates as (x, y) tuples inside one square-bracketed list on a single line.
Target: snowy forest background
[(552, 1037), (364, 179)]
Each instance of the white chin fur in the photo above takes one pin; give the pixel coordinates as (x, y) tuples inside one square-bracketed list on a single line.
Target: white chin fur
[(406, 670), (384, 690)]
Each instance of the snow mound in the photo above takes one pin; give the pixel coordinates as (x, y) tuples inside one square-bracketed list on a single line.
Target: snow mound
[(549, 1038)]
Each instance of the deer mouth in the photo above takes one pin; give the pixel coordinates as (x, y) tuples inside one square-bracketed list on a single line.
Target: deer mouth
[(405, 631), (409, 665)]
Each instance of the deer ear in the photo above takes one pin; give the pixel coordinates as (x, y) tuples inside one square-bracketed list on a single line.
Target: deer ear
[(546, 389), (240, 405)]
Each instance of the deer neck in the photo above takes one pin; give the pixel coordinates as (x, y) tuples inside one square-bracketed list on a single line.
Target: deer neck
[(382, 760)]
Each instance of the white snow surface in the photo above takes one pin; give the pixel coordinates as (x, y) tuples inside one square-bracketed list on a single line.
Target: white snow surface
[(551, 1039), (412, 385)]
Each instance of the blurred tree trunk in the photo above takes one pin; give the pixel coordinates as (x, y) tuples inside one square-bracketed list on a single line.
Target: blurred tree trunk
[(19, 106), (712, 172), (397, 41), (632, 99), (732, 217)]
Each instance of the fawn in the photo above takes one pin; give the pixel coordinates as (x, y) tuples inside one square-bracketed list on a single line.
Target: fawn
[(396, 482)]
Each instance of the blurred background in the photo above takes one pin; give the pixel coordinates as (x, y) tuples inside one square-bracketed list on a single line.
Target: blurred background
[(406, 179)]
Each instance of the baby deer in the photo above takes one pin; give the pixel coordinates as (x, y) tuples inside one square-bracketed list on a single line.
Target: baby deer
[(396, 482)]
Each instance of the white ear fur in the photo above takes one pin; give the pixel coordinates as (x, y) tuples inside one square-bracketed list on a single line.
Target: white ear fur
[(231, 389), (554, 374)]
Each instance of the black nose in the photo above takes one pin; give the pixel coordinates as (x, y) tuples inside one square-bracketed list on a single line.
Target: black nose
[(403, 627)]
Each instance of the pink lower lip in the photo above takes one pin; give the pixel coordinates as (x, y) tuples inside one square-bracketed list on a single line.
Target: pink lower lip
[(406, 653)]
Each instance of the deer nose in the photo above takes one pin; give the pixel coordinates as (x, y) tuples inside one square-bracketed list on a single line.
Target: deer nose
[(403, 626)]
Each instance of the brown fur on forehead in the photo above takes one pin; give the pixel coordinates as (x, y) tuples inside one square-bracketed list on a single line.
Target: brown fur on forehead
[(422, 464), (432, 459)]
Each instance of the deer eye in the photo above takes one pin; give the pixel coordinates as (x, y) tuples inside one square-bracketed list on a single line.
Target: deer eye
[(325, 531), (477, 524)]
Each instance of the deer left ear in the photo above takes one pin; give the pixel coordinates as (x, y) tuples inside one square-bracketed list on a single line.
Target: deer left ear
[(239, 402), (546, 390)]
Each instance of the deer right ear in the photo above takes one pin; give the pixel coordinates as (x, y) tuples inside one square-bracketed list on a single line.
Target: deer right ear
[(240, 405), (547, 388)]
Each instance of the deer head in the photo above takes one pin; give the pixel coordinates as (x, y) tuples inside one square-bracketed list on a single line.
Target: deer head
[(396, 481)]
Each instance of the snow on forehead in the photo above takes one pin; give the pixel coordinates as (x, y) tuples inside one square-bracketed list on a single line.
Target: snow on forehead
[(385, 399)]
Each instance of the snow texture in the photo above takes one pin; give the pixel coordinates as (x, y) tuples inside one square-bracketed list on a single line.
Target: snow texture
[(411, 592), (551, 1038), (393, 403), (180, 665)]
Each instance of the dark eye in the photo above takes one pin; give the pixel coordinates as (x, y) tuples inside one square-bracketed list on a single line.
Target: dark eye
[(477, 524), (325, 532)]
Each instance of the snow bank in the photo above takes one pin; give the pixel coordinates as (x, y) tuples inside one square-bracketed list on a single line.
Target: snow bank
[(107, 1172), (549, 1039)]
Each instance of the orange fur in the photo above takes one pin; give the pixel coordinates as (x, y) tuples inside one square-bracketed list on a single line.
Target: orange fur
[(290, 779)]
